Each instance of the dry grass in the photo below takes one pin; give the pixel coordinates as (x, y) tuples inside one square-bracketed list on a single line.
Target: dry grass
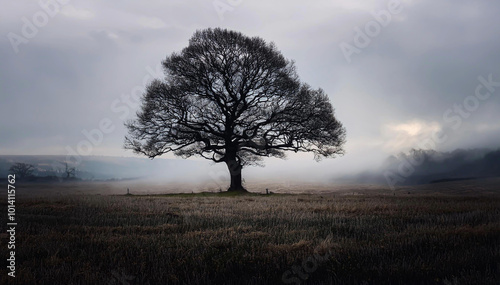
[(195, 239)]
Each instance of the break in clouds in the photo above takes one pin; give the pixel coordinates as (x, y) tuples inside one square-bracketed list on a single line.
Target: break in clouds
[(400, 74)]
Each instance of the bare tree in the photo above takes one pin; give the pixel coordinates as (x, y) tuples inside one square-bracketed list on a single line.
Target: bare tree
[(23, 170), (69, 171), (233, 99)]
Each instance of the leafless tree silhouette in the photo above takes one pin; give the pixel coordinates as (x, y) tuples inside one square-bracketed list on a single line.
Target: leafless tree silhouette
[(233, 99), (69, 171), (23, 170)]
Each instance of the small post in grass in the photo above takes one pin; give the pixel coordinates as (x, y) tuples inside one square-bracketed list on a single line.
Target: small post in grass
[(267, 191)]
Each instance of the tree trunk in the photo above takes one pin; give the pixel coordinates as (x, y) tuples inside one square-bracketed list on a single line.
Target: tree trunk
[(235, 172)]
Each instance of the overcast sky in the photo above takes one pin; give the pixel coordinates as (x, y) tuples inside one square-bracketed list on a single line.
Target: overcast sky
[(397, 73)]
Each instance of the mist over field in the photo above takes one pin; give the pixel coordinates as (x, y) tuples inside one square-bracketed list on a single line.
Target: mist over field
[(411, 168)]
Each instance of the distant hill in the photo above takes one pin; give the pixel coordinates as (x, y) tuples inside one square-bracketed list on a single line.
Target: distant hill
[(104, 167)]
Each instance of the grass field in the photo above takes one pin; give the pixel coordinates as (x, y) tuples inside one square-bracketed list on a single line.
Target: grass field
[(367, 237)]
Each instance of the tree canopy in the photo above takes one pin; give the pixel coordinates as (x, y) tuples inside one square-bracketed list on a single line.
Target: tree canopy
[(234, 99)]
